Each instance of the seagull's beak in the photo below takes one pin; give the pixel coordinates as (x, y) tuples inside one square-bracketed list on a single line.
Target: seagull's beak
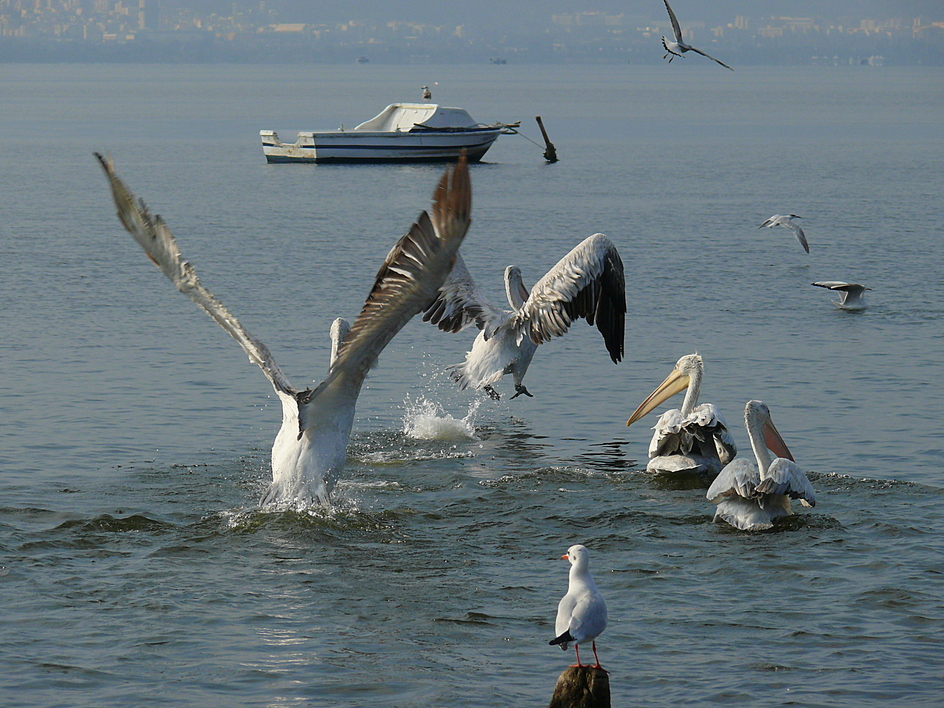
[(674, 382), (774, 442), (565, 557)]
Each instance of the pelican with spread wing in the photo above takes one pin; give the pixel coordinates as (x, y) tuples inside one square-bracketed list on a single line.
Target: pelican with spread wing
[(311, 446), (752, 497), (588, 282), (693, 439)]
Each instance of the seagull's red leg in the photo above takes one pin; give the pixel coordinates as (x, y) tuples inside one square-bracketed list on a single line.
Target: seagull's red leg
[(597, 666), (577, 650)]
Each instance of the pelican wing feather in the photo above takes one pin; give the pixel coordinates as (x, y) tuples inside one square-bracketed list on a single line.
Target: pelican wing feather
[(459, 303), (785, 477), (739, 478), (588, 282), (152, 233)]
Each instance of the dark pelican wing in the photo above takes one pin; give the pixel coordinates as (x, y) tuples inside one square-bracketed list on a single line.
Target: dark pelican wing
[(459, 302), (588, 282), (160, 246)]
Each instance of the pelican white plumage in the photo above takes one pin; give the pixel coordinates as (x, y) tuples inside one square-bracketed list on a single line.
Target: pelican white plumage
[(852, 294), (588, 282), (693, 439), (679, 46), (311, 446), (786, 221), (752, 498), (581, 613)]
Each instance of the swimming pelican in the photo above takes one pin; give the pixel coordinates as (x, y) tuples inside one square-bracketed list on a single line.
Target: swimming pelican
[(785, 220), (588, 282), (427, 94), (310, 449), (693, 439), (852, 294), (581, 613), (679, 47), (752, 498)]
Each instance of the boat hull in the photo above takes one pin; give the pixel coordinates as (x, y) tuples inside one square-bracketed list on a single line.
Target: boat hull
[(372, 147)]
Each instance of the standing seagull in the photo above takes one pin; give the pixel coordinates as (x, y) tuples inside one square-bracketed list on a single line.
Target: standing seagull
[(581, 613), (786, 221), (852, 294), (679, 47), (427, 94), (588, 282), (694, 439), (752, 498), (311, 447)]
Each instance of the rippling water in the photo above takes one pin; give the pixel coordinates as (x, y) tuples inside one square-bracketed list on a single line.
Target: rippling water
[(135, 566)]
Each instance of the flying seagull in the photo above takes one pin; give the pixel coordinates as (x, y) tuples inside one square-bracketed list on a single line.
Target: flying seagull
[(581, 613), (588, 282), (310, 449), (852, 294), (786, 221), (679, 47)]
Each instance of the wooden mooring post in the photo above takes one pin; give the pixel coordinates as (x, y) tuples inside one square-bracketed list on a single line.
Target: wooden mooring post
[(582, 687), (550, 152)]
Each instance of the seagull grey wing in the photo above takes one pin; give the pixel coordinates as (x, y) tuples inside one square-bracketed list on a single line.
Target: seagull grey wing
[(832, 284), (798, 232), (737, 479), (785, 477), (717, 61), (161, 247), (588, 282), (406, 283), (459, 302), (676, 29)]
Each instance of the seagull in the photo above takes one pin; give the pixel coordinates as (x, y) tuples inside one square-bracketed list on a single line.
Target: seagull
[(310, 449), (852, 294), (427, 94), (588, 282), (786, 221), (679, 47), (694, 439), (752, 498), (581, 613)]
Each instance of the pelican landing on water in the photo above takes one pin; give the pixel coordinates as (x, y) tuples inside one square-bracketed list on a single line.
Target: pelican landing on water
[(588, 282), (693, 439), (852, 294), (311, 446), (752, 498), (679, 47)]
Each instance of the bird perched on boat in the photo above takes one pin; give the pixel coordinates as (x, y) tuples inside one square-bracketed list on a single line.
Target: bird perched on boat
[(752, 497), (852, 294), (581, 613), (679, 46), (427, 94), (786, 221), (309, 451), (588, 282), (693, 439)]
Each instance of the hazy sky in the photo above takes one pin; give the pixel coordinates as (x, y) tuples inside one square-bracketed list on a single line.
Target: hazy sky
[(518, 11)]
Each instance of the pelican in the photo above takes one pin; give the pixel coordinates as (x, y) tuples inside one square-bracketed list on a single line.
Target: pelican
[(427, 94), (752, 498), (679, 47), (852, 294), (694, 439), (581, 613), (310, 449), (588, 282), (786, 221)]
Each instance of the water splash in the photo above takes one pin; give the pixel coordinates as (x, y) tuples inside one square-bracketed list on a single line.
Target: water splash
[(427, 420)]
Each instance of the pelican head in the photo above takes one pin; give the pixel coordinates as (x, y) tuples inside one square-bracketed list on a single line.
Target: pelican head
[(515, 290), (687, 372), (757, 418), (339, 331)]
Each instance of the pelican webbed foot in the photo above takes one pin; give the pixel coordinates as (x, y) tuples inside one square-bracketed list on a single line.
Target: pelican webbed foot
[(492, 393), (519, 389)]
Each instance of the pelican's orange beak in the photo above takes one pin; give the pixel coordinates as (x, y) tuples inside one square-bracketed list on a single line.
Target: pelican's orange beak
[(674, 382)]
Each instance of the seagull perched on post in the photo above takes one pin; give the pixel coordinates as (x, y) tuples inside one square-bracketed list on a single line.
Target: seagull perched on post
[(310, 449), (588, 282), (852, 294), (679, 47), (581, 613), (427, 94), (786, 221)]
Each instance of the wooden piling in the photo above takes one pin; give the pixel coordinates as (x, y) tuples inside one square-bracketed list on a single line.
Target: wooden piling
[(582, 687), (550, 152)]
